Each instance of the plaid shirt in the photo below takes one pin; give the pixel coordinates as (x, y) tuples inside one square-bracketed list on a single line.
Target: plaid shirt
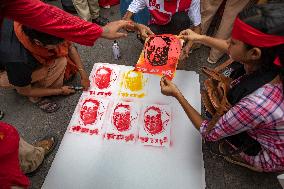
[(261, 114)]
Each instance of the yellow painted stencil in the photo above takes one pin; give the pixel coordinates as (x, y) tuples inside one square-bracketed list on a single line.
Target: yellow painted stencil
[(133, 84)]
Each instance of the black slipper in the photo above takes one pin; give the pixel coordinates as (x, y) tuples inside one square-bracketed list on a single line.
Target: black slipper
[(47, 105)]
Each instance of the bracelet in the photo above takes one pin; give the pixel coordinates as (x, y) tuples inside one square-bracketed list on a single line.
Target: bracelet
[(81, 69)]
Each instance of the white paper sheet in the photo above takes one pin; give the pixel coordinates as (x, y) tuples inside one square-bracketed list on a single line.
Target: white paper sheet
[(85, 162)]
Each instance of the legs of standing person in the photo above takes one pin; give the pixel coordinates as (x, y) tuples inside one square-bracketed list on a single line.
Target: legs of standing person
[(232, 9), (94, 8), (208, 11), (95, 13), (82, 8)]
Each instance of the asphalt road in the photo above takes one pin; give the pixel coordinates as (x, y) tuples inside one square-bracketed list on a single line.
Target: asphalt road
[(34, 124)]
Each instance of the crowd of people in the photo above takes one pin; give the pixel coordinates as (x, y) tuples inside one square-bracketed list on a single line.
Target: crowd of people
[(245, 116)]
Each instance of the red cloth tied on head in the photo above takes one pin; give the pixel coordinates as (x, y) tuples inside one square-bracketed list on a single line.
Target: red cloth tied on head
[(251, 36)]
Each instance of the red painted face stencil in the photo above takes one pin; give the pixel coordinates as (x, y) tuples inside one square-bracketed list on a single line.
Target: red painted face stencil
[(160, 55), (103, 77), (153, 123), (89, 111), (121, 117)]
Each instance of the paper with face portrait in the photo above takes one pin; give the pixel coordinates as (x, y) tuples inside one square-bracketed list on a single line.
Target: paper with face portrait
[(155, 125), (122, 122), (89, 115), (132, 84), (104, 79), (160, 55)]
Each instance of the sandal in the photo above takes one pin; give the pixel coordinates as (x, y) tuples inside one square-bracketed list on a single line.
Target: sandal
[(226, 148), (211, 61), (1, 114), (48, 143), (47, 105)]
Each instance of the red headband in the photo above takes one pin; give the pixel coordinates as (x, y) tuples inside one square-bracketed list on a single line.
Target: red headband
[(249, 35)]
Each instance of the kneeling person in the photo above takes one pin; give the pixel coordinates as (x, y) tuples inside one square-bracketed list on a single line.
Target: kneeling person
[(36, 64)]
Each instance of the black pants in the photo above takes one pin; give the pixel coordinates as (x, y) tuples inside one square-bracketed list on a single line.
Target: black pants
[(180, 21), (243, 141)]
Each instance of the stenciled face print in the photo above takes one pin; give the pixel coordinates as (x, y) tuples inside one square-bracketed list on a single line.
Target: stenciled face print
[(89, 111), (153, 123), (121, 117), (157, 50), (103, 77)]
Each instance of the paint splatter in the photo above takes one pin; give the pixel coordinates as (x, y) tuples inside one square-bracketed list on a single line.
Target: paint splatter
[(89, 111), (121, 117), (153, 123), (103, 77)]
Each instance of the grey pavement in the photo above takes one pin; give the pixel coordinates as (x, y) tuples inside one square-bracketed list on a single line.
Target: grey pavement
[(33, 124)]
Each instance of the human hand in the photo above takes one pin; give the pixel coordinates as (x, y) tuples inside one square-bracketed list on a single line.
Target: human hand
[(111, 30), (189, 35), (186, 50), (143, 30), (85, 82), (168, 88), (67, 90)]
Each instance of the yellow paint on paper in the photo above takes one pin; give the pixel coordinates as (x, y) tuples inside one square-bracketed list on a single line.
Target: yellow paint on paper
[(132, 84)]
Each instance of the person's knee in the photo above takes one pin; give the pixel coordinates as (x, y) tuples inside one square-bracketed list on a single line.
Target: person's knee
[(61, 62)]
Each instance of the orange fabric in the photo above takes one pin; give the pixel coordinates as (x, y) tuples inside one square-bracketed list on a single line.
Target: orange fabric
[(45, 56), (160, 55)]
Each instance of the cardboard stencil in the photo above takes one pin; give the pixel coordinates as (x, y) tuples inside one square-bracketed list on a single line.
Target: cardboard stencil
[(104, 80), (160, 55), (122, 122), (155, 125), (133, 84), (89, 115)]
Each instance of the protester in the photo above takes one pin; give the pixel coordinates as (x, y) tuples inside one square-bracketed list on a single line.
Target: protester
[(168, 16), (36, 64), (19, 157), (89, 10), (208, 11), (252, 128)]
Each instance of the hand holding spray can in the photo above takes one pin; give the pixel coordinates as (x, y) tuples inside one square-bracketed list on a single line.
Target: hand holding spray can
[(115, 50)]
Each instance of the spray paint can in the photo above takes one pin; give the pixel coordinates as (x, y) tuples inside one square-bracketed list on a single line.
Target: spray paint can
[(115, 50)]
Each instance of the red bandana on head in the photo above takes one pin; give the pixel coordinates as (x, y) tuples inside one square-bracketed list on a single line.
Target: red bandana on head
[(249, 35)]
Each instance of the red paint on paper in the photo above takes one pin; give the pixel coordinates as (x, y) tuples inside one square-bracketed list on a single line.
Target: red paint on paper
[(153, 123), (160, 55), (89, 111), (129, 137), (103, 77), (121, 117)]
